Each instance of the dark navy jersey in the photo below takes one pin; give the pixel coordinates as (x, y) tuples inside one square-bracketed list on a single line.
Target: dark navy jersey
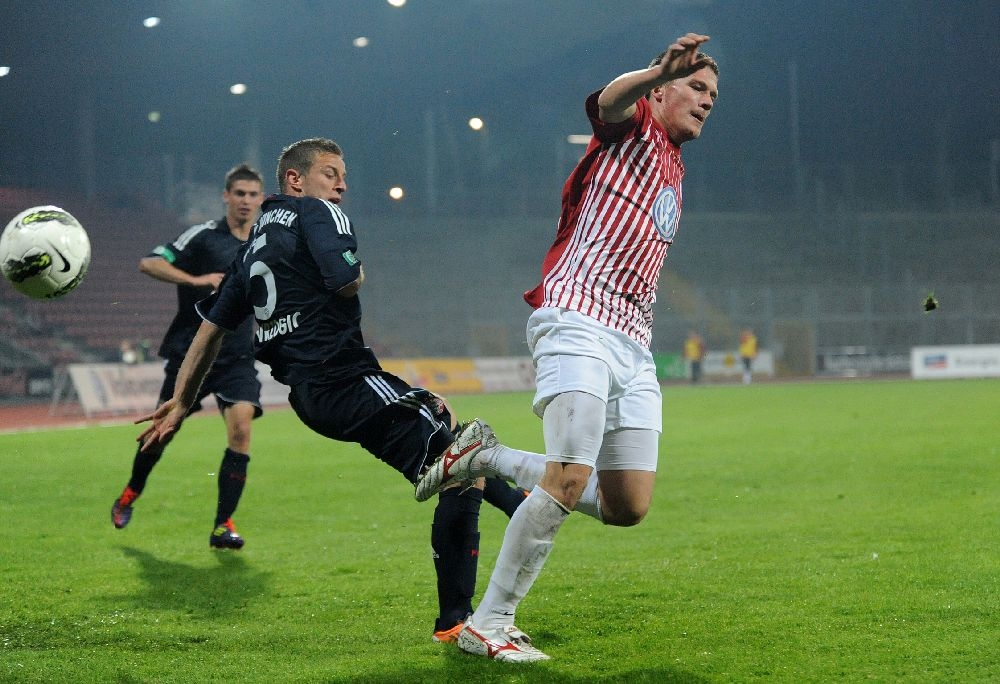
[(206, 248), (300, 252)]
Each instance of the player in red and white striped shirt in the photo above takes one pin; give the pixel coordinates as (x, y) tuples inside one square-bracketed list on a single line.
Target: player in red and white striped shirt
[(590, 332)]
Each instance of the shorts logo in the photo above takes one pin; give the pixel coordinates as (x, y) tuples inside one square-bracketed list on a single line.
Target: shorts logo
[(666, 211)]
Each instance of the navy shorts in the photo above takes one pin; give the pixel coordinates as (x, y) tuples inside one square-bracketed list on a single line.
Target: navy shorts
[(402, 425), (231, 383)]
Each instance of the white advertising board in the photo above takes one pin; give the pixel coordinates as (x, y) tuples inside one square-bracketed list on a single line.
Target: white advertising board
[(116, 388), (729, 364), (133, 388), (965, 361)]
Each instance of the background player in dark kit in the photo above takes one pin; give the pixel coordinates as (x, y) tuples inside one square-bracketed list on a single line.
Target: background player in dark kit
[(196, 261)]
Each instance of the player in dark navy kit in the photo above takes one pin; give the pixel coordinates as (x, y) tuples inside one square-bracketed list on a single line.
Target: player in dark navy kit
[(196, 262), (298, 276)]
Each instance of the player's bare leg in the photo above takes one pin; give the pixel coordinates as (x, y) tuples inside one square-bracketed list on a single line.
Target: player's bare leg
[(625, 496)]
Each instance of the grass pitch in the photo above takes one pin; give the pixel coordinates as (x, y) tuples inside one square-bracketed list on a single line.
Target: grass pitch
[(815, 532)]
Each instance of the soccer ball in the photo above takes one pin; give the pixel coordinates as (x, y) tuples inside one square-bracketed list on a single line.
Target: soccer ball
[(44, 252)]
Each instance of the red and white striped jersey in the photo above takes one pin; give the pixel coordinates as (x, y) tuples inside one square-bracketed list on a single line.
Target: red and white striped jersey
[(620, 210)]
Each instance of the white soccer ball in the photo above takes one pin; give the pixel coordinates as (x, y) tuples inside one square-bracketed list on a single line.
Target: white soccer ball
[(44, 252)]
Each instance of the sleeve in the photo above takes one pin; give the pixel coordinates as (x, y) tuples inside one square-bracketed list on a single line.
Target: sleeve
[(182, 251), (609, 133), (329, 235), (227, 306), (163, 251)]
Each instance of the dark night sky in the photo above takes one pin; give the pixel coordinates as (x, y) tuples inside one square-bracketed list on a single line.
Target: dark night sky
[(879, 83)]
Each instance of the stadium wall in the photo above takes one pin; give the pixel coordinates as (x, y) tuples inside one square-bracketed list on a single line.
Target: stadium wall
[(119, 388), (806, 286), (810, 286)]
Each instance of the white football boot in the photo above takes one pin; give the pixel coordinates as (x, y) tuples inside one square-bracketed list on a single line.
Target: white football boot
[(459, 462), (508, 644)]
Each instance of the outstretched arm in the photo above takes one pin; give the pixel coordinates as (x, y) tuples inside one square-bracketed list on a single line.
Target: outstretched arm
[(161, 269), (617, 100), (168, 416)]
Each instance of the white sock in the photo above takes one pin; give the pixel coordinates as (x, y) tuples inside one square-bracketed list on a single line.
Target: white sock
[(526, 545), (523, 468), (590, 500)]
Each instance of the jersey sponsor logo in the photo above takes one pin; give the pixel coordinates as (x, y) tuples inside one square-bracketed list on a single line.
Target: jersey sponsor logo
[(666, 211), (277, 327)]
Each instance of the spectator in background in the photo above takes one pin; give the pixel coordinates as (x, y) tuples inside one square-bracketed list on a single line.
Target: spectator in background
[(129, 355), (748, 352), (145, 350), (694, 354), (195, 262)]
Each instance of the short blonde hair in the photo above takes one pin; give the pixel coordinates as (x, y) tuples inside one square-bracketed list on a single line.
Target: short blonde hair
[(301, 155)]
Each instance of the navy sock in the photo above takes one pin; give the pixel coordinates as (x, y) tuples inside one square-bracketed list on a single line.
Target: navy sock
[(142, 466), (455, 542), (232, 477), (503, 495)]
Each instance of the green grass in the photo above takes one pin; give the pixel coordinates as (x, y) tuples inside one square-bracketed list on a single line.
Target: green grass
[(814, 532)]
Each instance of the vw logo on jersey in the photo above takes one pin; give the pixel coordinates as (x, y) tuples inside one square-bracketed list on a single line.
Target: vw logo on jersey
[(665, 213)]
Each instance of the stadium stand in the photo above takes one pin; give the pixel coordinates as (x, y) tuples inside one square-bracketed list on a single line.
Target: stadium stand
[(854, 278), (114, 302), (451, 286)]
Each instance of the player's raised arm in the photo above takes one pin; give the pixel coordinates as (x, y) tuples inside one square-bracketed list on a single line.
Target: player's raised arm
[(197, 362), (617, 100)]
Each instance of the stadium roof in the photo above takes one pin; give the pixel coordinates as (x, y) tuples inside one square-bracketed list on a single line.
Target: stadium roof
[(885, 81)]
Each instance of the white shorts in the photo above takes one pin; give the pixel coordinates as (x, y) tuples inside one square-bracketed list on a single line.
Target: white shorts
[(575, 353)]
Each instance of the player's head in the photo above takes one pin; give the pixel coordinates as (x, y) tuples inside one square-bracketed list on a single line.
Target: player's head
[(313, 167), (682, 105), (243, 172), (243, 195)]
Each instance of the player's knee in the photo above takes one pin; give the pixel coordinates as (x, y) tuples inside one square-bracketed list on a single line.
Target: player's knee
[(627, 516), (566, 488), (625, 512), (239, 437)]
